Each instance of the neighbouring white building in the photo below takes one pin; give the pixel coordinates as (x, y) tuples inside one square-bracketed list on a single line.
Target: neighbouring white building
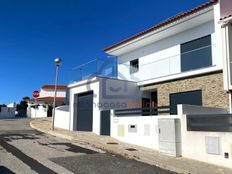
[(8, 111), (42, 105), (166, 89)]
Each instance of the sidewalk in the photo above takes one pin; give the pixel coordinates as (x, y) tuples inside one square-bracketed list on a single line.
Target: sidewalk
[(111, 145)]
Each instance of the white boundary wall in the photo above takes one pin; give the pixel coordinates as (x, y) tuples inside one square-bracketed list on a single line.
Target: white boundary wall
[(40, 112), (7, 112), (146, 135), (194, 142), (62, 118)]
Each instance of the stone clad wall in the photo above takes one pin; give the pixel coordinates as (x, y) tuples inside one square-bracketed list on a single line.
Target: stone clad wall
[(213, 94)]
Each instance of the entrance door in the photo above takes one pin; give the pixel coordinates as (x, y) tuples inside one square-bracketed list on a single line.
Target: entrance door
[(105, 122), (191, 98), (49, 111), (85, 111)]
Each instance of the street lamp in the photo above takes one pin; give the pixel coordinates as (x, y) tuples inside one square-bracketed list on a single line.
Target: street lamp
[(58, 62)]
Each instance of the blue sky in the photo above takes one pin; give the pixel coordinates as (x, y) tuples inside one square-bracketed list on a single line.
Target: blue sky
[(34, 32)]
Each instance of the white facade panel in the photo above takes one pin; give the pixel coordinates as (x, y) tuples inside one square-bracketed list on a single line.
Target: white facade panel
[(162, 58)]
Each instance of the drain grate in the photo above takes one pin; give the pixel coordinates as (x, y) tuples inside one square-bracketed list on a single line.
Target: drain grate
[(112, 143), (131, 149)]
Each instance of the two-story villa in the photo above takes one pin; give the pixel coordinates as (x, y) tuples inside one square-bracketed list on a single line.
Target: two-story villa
[(169, 87), (178, 61)]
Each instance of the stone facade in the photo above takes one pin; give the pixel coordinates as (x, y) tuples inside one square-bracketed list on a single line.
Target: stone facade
[(213, 94)]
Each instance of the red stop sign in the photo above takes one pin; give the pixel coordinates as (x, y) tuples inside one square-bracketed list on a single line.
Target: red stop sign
[(35, 94)]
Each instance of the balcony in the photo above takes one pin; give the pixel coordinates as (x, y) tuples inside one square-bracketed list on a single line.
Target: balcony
[(166, 63), (95, 68)]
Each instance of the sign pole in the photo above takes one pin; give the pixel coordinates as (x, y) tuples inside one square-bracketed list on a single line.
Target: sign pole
[(35, 95)]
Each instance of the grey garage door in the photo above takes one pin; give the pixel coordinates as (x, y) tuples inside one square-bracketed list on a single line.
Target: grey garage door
[(85, 111), (191, 98)]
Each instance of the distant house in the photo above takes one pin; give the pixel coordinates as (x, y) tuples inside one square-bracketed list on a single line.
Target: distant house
[(7, 111), (42, 106)]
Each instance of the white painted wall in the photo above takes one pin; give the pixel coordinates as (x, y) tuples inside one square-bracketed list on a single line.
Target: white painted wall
[(140, 138), (39, 112), (7, 112), (162, 58), (217, 38), (62, 117), (194, 143)]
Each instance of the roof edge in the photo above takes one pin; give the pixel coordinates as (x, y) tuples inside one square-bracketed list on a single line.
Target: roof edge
[(164, 23)]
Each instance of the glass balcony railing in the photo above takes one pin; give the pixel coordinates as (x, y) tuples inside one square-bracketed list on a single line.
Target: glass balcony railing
[(165, 63), (95, 68), (156, 65)]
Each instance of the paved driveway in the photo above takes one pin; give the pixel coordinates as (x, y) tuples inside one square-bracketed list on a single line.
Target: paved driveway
[(24, 150)]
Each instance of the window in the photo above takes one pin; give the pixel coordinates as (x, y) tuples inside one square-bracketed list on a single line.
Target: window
[(196, 54), (134, 66)]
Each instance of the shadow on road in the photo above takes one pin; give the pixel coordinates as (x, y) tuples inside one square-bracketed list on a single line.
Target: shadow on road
[(5, 170)]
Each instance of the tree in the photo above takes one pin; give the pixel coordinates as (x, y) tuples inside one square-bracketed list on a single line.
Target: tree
[(23, 104), (26, 98)]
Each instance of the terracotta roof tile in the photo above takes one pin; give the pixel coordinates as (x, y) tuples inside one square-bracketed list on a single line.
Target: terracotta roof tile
[(53, 87), (166, 22), (225, 17), (49, 99)]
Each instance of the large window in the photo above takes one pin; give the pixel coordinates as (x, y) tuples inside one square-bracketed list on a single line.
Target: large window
[(196, 54), (134, 66)]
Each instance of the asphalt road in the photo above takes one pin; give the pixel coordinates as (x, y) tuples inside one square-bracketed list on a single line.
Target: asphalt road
[(24, 150)]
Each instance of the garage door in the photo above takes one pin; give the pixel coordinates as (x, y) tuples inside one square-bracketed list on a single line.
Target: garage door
[(191, 98), (85, 111)]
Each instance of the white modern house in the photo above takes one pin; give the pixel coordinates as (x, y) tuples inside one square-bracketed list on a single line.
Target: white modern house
[(42, 105), (165, 91)]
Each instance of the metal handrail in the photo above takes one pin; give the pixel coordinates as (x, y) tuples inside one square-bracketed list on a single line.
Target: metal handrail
[(142, 111)]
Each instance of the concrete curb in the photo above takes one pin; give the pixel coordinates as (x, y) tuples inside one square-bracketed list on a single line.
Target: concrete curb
[(51, 132), (128, 156)]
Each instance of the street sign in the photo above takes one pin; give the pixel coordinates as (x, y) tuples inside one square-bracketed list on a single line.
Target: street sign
[(35, 94)]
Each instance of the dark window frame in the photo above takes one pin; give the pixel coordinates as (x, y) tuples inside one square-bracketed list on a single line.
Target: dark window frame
[(196, 54), (134, 66)]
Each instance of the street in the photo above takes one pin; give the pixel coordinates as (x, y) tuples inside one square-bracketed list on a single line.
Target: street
[(25, 150)]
